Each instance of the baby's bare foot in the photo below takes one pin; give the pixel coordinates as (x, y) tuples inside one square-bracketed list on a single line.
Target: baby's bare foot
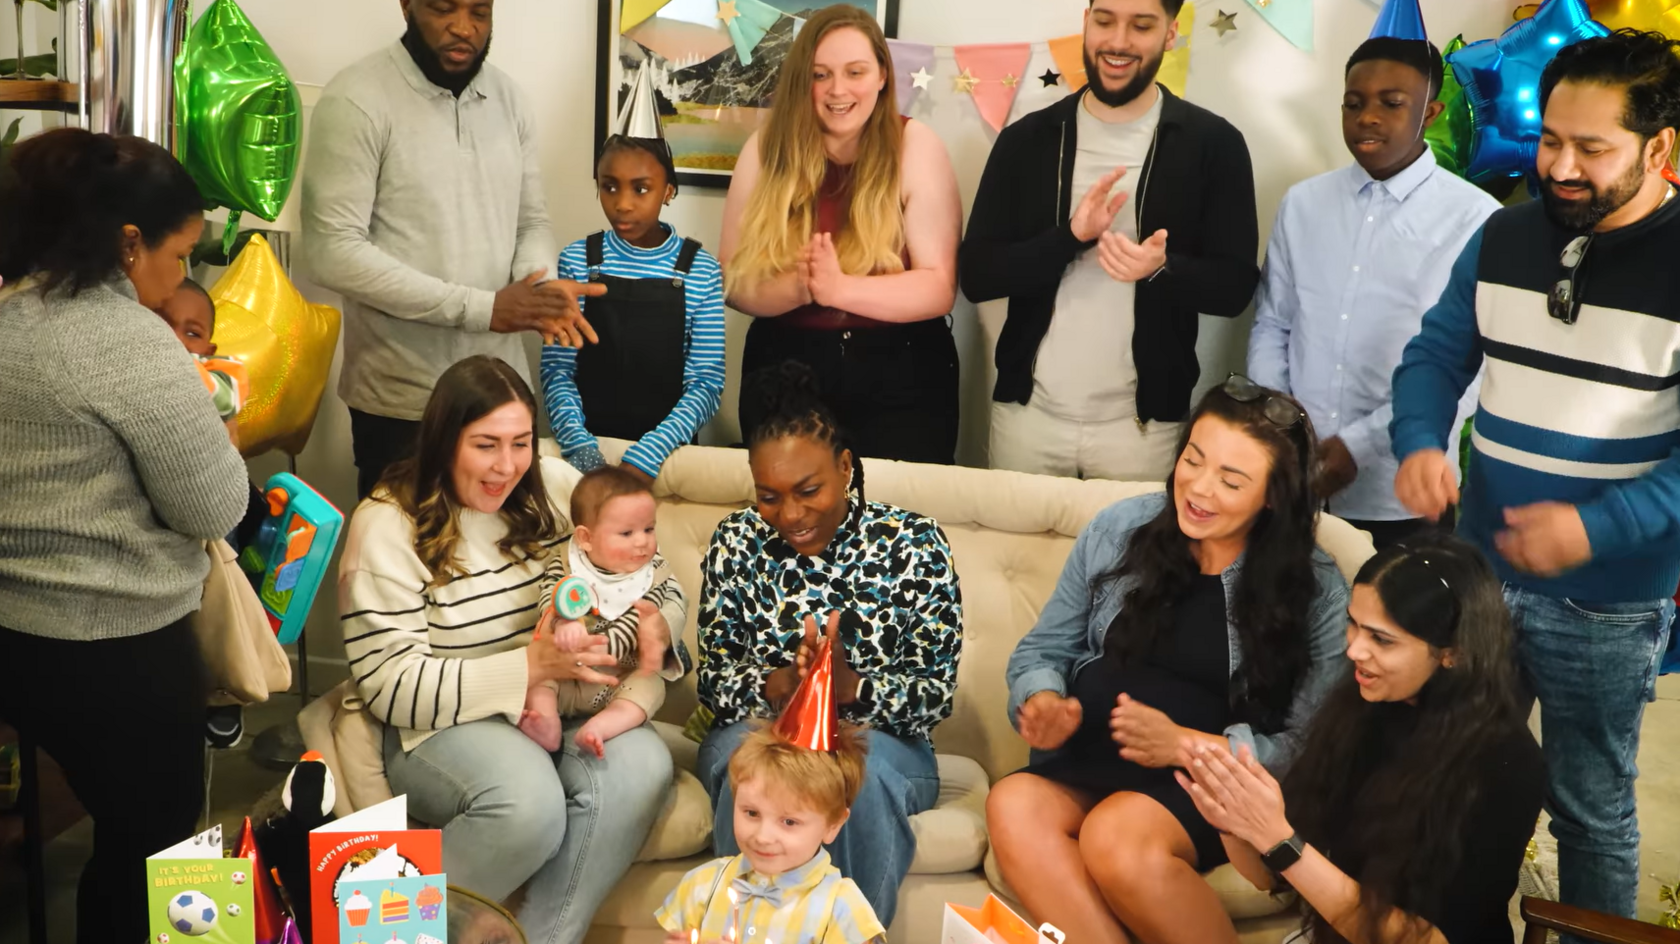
[(543, 728)]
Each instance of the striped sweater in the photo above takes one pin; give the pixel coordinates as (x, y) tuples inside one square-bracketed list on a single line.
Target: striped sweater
[(425, 658), (703, 368), (1585, 414)]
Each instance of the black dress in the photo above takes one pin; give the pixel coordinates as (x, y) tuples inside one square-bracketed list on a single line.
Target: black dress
[(1186, 675)]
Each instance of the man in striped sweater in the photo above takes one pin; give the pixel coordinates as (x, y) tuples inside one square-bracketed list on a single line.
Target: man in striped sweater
[(1572, 303)]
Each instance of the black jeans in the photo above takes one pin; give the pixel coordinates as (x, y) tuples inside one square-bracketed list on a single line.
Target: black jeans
[(124, 718), (893, 388), (377, 443)]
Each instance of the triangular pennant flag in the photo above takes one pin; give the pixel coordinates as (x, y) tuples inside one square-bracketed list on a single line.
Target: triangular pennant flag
[(747, 21), (1069, 53), (912, 70), (995, 71), (1400, 19), (812, 718), (1175, 66), (634, 12), (1293, 19)]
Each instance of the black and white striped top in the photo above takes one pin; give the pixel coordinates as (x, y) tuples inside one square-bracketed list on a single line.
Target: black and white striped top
[(427, 658)]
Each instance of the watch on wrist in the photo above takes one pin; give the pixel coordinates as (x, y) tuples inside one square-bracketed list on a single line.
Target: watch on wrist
[(1285, 854)]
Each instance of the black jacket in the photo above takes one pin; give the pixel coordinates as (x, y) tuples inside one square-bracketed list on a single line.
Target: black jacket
[(1197, 184)]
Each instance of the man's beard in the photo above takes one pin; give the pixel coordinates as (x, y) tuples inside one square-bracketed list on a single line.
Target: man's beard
[(1126, 94), (432, 67), (1580, 217)]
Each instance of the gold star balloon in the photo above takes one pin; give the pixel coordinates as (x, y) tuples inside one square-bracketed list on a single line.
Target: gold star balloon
[(1661, 15), (285, 342)]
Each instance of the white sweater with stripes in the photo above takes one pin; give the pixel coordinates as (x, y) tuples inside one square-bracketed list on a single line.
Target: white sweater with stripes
[(427, 658)]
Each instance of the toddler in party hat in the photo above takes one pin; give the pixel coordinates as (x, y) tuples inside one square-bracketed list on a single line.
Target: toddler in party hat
[(794, 783)]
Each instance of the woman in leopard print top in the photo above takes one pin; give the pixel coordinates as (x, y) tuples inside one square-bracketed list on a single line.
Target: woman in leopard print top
[(880, 580)]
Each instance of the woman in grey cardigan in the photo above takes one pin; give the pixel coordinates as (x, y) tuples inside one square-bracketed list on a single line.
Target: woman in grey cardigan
[(114, 470)]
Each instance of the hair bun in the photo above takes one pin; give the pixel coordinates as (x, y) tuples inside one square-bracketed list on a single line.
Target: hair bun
[(788, 389)]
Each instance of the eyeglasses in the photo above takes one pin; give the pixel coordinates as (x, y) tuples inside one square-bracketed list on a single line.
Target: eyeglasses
[(1564, 300), (1282, 413)]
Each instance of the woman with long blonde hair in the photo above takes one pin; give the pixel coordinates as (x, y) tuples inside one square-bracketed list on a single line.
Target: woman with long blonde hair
[(840, 239)]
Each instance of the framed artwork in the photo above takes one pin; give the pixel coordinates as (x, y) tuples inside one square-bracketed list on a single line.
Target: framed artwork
[(714, 65)]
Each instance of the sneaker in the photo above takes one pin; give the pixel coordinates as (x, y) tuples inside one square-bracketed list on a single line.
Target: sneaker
[(224, 726)]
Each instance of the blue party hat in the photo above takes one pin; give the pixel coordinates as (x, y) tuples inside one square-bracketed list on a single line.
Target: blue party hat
[(1400, 19)]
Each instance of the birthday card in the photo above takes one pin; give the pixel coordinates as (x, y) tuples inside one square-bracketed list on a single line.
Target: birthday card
[(195, 895), (371, 847), (394, 911)]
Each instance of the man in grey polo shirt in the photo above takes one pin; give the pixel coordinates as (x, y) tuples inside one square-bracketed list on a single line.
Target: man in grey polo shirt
[(423, 206)]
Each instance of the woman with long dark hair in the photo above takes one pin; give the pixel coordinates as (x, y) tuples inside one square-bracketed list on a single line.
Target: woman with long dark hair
[(1202, 618), (1406, 816), (438, 591), (813, 552), (114, 471)]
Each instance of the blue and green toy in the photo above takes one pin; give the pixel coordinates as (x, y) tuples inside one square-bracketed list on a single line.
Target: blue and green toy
[(288, 558)]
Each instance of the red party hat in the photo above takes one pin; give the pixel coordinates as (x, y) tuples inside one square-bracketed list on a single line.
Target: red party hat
[(812, 719), (269, 918)]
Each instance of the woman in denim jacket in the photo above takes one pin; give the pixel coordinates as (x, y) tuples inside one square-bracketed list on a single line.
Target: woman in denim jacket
[(1205, 615)]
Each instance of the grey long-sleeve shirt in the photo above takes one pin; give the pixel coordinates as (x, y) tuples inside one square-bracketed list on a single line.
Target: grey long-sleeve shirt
[(417, 207), (114, 467)]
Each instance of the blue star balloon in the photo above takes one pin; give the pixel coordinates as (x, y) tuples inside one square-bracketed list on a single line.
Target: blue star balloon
[(1400, 19), (1501, 79)]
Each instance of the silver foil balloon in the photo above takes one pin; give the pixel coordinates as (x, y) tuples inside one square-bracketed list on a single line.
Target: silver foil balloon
[(129, 72)]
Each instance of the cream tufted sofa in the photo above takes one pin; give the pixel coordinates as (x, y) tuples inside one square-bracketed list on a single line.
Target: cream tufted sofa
[(1010, 534)]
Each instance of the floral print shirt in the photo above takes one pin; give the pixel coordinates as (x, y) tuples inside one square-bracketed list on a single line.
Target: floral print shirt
[(887, 571)]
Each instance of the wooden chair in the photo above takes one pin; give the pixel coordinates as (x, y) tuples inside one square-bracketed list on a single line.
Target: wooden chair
[(1542, 916)]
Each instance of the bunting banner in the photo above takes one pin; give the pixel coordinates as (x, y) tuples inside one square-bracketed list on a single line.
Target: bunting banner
[(1293, 19), (748, 22), (992, 73), (636, 12), (913, 70)]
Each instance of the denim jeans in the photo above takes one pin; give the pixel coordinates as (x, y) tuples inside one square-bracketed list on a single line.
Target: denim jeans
[(1593, 666), (565, 825), (876, 846)]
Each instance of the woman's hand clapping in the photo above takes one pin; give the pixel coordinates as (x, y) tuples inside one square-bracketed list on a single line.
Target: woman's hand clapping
[(782, 683), (1148, 737), (1237, 796), (819, 269), (1046, 720)]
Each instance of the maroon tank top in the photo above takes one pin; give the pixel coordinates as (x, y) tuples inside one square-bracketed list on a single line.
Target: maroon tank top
[(834, 205)]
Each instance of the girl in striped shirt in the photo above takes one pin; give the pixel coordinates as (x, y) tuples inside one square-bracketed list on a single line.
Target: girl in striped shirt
[(657, 374)]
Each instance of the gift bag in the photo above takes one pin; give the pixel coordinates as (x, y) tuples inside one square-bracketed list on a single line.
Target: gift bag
[(993, 923)]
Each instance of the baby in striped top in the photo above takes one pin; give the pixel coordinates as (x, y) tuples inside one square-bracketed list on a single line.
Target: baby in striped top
[(637, 599), (789, 802)]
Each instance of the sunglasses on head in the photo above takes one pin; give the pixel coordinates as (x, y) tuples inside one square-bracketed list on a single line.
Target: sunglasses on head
[(1282, 413), (1563, 302)]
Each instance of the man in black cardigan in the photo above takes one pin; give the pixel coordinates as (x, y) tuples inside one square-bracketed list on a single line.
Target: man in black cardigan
[(1110, 220)]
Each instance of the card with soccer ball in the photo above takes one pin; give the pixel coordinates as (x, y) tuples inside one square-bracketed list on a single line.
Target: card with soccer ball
[(195, 896)]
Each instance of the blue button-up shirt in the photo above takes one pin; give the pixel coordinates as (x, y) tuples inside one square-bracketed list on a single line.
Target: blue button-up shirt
[(1352, 266)]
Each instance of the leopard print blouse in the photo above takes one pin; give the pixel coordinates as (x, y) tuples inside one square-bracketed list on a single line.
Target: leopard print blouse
[(887, 571)]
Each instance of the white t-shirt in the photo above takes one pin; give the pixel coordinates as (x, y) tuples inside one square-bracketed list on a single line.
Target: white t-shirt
[(1085, 370)]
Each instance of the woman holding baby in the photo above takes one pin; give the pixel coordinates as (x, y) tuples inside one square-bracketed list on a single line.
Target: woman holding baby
[(440, 588)]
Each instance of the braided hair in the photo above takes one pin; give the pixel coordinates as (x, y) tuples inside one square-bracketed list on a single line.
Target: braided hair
[(786, 400)]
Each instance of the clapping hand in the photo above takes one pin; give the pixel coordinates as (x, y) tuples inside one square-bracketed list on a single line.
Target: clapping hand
[(1426, 484), (1237, 796), (1146, 736), (1046, 720), (1544, 539), (547, 306), (1126, 260), (1096, 211), (845, 679), (819, 269)]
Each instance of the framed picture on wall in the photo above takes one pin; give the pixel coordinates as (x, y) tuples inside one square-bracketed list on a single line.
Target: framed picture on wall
[(714, 66)]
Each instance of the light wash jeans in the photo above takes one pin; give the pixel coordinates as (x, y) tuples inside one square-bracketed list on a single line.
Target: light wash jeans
[(512, 813), (1593, 666), (876, 846)]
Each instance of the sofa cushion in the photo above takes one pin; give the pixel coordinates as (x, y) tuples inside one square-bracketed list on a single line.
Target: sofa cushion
[(951, 837), (684, 826), (1240, 899)]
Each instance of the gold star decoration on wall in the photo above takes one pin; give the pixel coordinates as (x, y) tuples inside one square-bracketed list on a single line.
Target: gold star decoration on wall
[(1009, 81), (1224, 22), (727, 11), (966, 82)]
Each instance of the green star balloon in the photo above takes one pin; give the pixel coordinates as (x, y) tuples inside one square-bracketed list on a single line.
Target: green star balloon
[(238, 119), (1449, 136)]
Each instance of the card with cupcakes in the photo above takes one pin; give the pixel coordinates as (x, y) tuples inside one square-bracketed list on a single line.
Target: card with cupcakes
[(367, 872)]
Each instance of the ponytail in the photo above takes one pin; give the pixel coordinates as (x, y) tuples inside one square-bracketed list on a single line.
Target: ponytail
[(66, 194), (786, 400)]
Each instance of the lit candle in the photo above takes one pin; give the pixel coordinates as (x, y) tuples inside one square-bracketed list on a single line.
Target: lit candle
[(734, 913), (694, 936)]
